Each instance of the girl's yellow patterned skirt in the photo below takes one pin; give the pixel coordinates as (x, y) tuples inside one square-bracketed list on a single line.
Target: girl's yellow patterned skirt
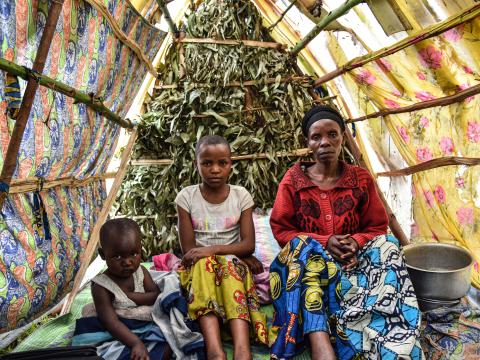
[(224, 286)]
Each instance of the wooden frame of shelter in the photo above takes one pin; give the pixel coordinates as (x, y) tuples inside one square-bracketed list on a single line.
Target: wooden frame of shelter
[(35, 77)]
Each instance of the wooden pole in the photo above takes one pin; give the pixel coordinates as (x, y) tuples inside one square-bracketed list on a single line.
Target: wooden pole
[(432, 164), (181, 56), (168, 18), (304, 79), (427, 33), (10, 162), (99, 5), (95, 235), (443, 101), (392, 219), (322, 24), (271, 27), (164, 162), (81, 97), (32, 184), (252, 43)]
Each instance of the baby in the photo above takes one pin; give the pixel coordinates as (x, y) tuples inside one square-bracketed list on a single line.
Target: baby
[(125, 284)]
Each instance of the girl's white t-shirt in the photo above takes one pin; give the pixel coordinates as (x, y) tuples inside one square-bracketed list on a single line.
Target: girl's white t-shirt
[(215, 224)]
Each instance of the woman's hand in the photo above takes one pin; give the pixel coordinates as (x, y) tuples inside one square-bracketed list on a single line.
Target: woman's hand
[(139, 352), (335, 248), (195, 254), (256, 267)]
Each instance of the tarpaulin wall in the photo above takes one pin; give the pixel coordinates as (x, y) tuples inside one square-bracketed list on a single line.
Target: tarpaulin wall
[(43, 233)]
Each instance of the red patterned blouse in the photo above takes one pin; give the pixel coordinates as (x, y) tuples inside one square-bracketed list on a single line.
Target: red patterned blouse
[(351, 207)]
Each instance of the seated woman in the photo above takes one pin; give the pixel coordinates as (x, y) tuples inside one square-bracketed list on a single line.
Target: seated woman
[(338, 278)]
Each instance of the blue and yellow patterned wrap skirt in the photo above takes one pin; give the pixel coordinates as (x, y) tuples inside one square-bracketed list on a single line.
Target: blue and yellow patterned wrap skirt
[(370, 312)]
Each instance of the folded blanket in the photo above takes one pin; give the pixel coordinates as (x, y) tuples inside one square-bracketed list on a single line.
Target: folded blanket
[(170, 312), (90, 331)]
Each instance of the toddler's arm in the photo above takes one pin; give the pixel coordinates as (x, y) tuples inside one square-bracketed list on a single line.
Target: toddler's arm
[(106, 313), (151, 291)]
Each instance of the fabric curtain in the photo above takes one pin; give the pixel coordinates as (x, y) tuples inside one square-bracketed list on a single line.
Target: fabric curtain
[(43, 233)]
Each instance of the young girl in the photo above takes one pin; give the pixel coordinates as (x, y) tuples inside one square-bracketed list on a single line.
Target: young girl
[(216, 231)]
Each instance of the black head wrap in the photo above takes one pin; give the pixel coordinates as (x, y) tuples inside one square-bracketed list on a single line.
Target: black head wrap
[(321, 112)]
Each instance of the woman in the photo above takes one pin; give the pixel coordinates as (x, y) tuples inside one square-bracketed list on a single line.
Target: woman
[(338, 278)]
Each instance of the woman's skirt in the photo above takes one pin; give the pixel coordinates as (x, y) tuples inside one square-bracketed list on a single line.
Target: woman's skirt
[(370, 312), (223, 285)]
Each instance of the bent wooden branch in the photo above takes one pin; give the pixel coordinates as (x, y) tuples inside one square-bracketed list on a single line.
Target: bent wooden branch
[(427, 33), (443, 101), (322, 24), (432, 164), (88, 99), (100, 6)]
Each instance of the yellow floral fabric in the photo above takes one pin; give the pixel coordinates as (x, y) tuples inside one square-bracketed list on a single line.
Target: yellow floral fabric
[(446, 199), (223, 285)]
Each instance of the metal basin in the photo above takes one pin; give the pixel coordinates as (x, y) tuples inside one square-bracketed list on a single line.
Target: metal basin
[(439, 271)]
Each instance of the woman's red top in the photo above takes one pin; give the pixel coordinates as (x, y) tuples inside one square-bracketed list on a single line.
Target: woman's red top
[(351, 207)]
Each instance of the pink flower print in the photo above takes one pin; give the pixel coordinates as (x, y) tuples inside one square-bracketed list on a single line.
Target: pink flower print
[(473, 131), (465, 216), (424, 123), (467, 69), (446, 145), (424, 154), (463, 87), (460, 182), (391, 104), (431, 57), (365, 77), (428, 198), (439, 194), (454, 34), (396, 93), (403, 133), (424, 96), (385, 65), (421, 75)]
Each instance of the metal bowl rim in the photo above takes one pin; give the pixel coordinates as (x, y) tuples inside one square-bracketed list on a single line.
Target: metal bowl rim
[(455, 247)]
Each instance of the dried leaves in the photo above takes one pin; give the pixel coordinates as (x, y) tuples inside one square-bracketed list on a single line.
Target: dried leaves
[(177, 118)]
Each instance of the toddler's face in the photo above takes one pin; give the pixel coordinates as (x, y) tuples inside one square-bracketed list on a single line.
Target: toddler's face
[(214, 164), (122, 255)]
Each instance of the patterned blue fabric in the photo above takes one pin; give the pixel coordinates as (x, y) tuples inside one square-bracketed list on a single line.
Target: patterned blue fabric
[(370, 312)]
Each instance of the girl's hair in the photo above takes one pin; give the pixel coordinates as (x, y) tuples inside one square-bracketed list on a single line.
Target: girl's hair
[(211, 140), (113, 227), (321, 112)]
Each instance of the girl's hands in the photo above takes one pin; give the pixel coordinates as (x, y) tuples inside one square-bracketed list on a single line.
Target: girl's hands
[(256, 267), (343, 249), (195, 254)]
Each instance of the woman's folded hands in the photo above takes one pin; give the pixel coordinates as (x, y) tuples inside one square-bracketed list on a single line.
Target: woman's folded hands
[(343, 249)]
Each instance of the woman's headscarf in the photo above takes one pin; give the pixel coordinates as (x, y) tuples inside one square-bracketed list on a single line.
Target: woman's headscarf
[(321, 112)]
